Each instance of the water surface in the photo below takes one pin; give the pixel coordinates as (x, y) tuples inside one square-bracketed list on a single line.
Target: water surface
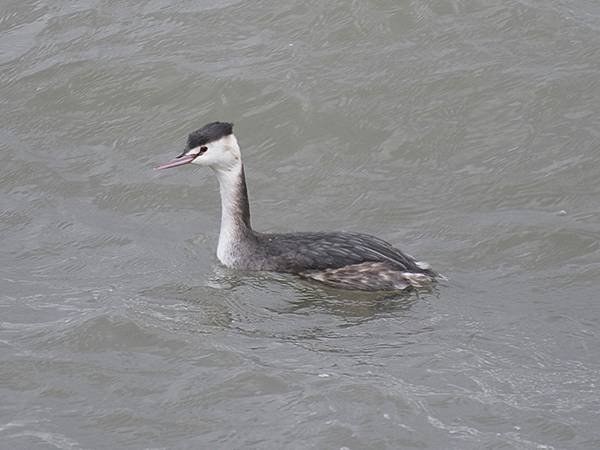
[(465, 132)]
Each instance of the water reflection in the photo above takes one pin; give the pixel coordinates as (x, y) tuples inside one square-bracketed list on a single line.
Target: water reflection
[(286, 308), (353, 307)]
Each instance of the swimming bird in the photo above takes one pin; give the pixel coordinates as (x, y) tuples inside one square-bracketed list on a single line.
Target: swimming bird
[(339, 259)]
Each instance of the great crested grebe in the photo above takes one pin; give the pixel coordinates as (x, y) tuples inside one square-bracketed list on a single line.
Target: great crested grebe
[(339, 259)]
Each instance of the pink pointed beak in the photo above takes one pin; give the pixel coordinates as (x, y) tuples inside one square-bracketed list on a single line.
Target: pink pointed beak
[(186, 159)]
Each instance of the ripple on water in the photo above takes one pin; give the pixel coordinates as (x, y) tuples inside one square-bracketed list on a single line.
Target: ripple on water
[(458, 130)]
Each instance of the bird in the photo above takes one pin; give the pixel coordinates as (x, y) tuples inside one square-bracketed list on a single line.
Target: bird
[(341, 259)]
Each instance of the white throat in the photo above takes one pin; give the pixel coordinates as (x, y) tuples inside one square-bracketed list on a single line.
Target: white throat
[(234, 207)]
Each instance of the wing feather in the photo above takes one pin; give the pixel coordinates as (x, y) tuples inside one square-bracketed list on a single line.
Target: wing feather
[(295, 252)]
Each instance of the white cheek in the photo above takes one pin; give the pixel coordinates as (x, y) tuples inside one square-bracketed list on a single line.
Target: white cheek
[(204, 160), (213, 159)]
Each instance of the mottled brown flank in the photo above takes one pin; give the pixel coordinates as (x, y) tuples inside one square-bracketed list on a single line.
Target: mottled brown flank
[(369, 276)]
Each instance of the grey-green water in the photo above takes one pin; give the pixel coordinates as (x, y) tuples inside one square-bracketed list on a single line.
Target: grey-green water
[(466, 132)]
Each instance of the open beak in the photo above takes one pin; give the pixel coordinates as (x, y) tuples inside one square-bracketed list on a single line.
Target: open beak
[(180, 161)]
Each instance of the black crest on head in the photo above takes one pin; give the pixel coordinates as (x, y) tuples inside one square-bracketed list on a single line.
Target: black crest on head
[(209, 133)]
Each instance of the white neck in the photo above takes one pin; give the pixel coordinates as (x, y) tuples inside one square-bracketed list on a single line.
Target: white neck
[(235, 215)]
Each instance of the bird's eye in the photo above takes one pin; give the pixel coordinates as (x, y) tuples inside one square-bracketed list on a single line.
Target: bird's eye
[(202, 150)]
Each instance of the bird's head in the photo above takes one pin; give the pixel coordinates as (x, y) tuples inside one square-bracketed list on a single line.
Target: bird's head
[(214, 145)]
